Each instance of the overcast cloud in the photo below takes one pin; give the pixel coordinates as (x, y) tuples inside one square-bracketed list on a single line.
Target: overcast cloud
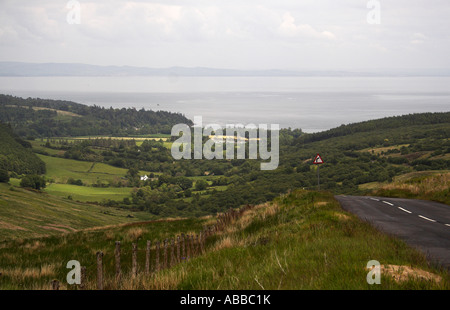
[(236, 34)]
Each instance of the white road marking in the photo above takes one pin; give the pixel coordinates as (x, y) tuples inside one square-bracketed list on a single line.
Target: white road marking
[(426, 218), (388, 203), (375, 199), (447, 225), (404, 210)]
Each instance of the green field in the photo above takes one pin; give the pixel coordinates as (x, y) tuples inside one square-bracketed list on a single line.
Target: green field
[(86, 194), (61, 169), (138, 139)]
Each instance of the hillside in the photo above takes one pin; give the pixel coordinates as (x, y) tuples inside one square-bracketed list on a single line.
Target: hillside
[(356, 156), (394, 122), (78, 69), (292, 238), (35, 117), (31, 214), (16, 154), (302, 240)]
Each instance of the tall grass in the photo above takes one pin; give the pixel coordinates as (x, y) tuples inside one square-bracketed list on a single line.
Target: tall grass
[(302, 240), (430, 187)]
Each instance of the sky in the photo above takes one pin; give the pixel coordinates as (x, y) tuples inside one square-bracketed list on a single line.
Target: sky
[(233, 34)]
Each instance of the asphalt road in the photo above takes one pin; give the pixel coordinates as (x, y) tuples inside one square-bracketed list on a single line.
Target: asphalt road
[(424, 225)]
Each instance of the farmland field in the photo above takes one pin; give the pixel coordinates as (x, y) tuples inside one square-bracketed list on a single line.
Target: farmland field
[(84, 193), (61, 169)]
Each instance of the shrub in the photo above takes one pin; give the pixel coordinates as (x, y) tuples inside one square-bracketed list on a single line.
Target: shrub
[(75, 182)]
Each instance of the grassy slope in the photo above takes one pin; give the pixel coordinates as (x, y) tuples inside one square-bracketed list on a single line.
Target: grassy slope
[(427, 185), (25, 214), (303, 240)]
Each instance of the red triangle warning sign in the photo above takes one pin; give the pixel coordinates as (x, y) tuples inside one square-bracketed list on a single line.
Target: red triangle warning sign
[(318, 160)]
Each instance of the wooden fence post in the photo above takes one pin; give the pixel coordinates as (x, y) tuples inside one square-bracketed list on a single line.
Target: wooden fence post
[(183, 247), (147, 257), (134, 266), (178, 249), (117, 256), (193, 245), (100, 270), (165, 254), (202, 242), (172, 252), (83, 278), (157, 266), (197, 245), (188, 250), (55, 285)]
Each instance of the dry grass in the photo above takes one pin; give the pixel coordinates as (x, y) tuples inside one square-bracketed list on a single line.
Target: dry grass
[(270, 209), (428, 185), (261, 212), (34, 245), (109, 235), (62, 230), (10, 226), (320, 204), (163, 280), (341, 216), (405, 273), (19, 274), (228, 242)]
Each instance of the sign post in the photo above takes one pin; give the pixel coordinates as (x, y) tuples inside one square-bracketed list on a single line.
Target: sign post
[(318, 161)]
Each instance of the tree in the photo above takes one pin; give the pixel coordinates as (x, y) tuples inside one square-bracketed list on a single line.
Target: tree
[(133, 172), (184, 183), (33, 181), (201, 185), (4, 176)]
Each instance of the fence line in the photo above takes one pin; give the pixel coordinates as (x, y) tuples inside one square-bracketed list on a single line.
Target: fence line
[(182, 248)]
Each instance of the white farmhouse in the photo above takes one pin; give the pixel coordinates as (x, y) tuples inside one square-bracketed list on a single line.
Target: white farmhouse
[(144, 178)]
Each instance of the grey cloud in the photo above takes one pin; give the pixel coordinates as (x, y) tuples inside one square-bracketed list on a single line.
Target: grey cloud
[(251, 34)]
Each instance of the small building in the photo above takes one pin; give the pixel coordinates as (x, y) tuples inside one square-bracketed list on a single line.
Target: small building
[(144, 178)]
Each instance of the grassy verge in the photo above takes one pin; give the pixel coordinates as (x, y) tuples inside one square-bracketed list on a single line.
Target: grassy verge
[(425, 185), (303, 240)]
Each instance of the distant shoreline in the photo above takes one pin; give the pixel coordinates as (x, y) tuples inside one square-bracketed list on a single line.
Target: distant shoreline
[(26, 69)]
